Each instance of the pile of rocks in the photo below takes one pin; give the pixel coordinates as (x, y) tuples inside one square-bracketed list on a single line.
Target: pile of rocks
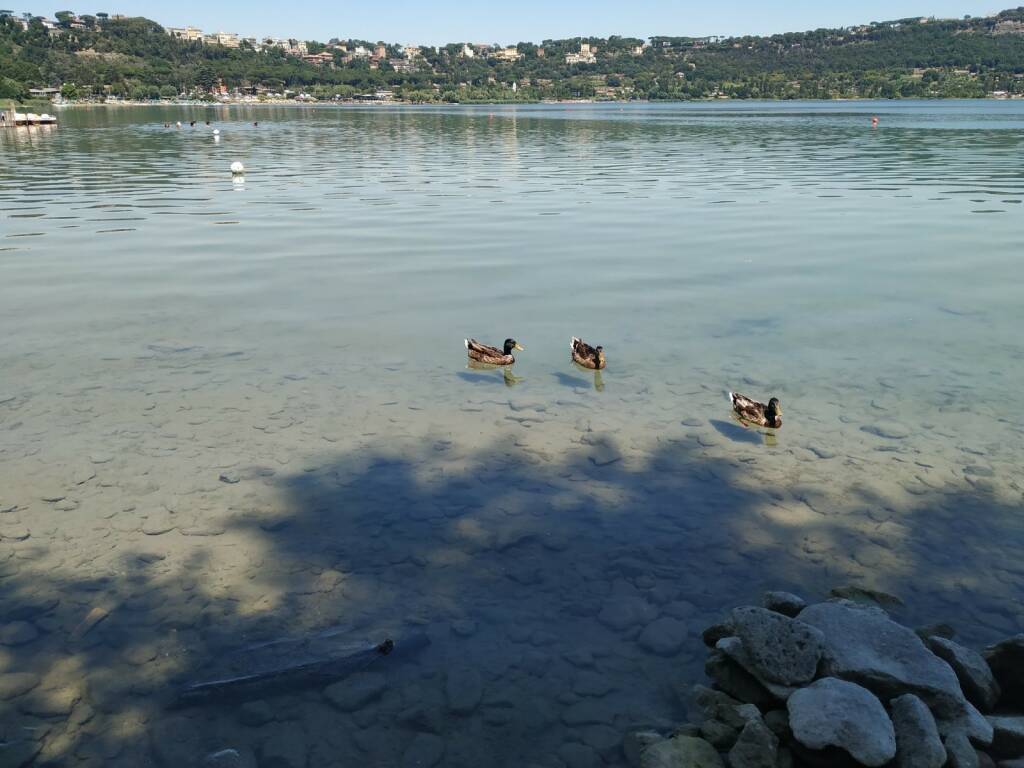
[(841, 684)]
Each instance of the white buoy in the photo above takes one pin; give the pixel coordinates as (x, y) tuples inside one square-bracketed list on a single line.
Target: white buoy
[(216, 131), (237, 169), (179, 124)]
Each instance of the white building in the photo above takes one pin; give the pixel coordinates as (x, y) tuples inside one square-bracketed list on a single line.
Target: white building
[(189, 33), (587, 55)]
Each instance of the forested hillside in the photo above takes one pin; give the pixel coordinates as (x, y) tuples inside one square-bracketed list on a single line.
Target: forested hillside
[(136, 58)]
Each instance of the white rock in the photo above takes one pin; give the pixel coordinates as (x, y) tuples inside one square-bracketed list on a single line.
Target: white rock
[(836, 713)]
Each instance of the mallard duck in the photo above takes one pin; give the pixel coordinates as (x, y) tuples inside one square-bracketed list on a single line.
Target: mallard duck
[(586, 355), (757, 413), (492, 355)]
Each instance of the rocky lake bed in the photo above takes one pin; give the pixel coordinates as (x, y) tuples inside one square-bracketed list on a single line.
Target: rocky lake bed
[(238, 433)]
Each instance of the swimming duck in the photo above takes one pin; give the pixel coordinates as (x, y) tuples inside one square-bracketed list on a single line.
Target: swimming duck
[(586, 355), (757, 413), (482, 353)]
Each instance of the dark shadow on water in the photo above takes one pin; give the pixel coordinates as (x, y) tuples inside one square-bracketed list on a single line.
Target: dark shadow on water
[(574, 382), (514, 562), (737, 433), (480, 378)]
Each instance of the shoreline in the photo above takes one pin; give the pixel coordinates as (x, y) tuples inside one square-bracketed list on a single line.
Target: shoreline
[(403, 103)]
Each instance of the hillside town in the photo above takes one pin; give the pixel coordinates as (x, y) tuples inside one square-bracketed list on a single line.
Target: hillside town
[(113, 57)]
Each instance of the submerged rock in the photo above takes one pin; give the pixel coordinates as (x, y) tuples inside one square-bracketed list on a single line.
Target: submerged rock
[(976, 679), (785, 603), (579, 756), (463, 689), (864, 645), (230, 758), (681, 752), (837, 713), (14, 684), (780, 649), (620, 613), (917, 738), (17, 633), (357, 691), (664, 636), (865, 595), (425, 751)]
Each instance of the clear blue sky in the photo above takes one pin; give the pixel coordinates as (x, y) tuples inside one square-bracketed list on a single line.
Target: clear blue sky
[(430, 22)]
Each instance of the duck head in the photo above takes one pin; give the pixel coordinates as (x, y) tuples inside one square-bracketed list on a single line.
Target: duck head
[(511, 344), (774, 412), (599, 353)]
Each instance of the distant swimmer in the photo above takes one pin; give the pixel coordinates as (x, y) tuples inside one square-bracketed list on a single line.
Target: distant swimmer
[(256, 124), (874, 122), (192, 124)]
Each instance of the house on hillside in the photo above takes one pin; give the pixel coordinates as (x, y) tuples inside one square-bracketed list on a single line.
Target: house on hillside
[(587, 55), (190, 34)]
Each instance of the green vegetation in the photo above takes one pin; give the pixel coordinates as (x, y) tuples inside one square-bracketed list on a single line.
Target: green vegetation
[(95, 56)]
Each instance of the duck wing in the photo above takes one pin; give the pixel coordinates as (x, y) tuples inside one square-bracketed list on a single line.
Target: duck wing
[(584, 354), (483, 353), (483, 350), (748, 409)]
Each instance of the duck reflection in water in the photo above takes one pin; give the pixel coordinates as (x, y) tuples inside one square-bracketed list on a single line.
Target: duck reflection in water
[(510, 378), (594, 375)]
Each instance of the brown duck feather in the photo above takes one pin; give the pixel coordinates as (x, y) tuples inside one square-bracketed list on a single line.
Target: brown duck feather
[(757, 413), (586, 355), (484, 353)]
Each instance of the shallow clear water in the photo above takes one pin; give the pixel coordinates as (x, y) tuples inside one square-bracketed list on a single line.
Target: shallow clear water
[(232, 411)]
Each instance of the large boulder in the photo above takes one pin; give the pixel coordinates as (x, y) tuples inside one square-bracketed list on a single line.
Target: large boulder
[(681, 752), (757, 747), (969, 721), (733, 648), (1008, 736), (1006, 660), (780, 649), (837, 713), (917, 738), (976, 679), (865, 646)]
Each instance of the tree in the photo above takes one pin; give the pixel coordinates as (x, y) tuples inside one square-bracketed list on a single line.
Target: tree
[(12, 89), (69, 91)]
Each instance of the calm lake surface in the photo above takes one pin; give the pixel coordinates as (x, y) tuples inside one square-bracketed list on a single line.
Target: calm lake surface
[(234, 411)]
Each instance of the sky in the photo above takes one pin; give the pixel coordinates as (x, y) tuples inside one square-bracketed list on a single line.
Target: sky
[(442, 21)]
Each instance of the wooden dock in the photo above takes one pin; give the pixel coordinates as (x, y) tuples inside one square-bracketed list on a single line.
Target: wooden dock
[(10, 117)]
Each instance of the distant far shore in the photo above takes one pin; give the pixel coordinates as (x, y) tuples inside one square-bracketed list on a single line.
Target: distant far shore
[(405, 103)]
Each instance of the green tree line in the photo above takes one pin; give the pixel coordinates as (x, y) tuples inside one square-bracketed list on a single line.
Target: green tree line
[(136, 58)]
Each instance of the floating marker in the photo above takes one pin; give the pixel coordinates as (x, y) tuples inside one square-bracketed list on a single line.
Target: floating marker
[(216, 131), (237, 169)]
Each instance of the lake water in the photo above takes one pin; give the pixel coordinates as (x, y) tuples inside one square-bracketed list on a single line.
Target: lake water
[(238, 410)]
